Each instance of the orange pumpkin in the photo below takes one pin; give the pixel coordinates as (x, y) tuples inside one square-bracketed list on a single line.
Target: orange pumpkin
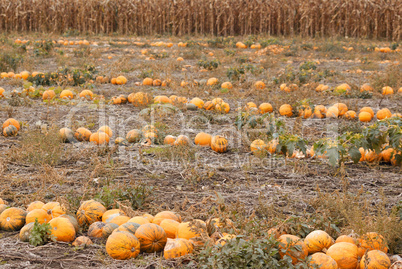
[(133, 136), (305, 112), (367, 109), (162, 99), (99, 138), (182, 140), (62, 229), (169, 140), (82, 134), (319, 112), (86, 94), (119, 220), (345, 254), (289, 243), (332, 112), (108, 229), (38, 214), (106, 129), (259, 85), (2, 208), (139, 220), (350, 115), (73, 221), (35, 205), (383, 114), (12, 219), (219, 144), (48, 95), (130, 227), (365, 116), (66, 94), (54, 209), (82, 241), (375, 259), (342, 108), (140, 99), (25, 232), (265, 108), (322, 261), (122, 246), (192, 231), (197, 102), (170, 227), (12, 122), (318, 241), (177, 247), (258, 146), (222, 107), (371, 156), (148, 82), (203, 139), (96, 229), (149, 217), (89, 212), (152, 237), (387, 90), (111, 214), (373, 241), (286, 110), (166, 215), (366, 88), (346, 238)]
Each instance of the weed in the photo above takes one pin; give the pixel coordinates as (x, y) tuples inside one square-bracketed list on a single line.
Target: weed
[(40, 234)]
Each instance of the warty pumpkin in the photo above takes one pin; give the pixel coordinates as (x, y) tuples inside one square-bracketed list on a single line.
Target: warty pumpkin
[(152, 237), (345, 254), (373, 241), (322, 261), (62, 229), (350, 115), (140, 99), (219, 144), (12, 122), (122, 246), (82, 134), (305, 111), (288, 242), (12, 219), (265, 108), (10, 131), (286, 110), (319, 112), (177, 248), (82, 241), (375, 259)]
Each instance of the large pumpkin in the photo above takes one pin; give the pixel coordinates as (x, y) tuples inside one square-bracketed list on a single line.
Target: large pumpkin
[(12, 219), (346, 238), (139, 220), (119, 220), (182, 140), (38, 214), (140, 99), (73, 221), (62, 229), (177, 247), (96, 229), (26, 231), (286, 110), (203, 139), (169, 140), (372, 241), (345, 254), (219, 144), (322, 261), (149, 217), (130, 227), (166, 215), (170, 227), (10, 131), (82, 134), (112, 213), (294, 246), (122, 246), (258, 146), (192, 231), (54, 209), (318, 241), (375, 259), (90, 212), (35, 205), (152, 237), (13, 122), (99, 138)]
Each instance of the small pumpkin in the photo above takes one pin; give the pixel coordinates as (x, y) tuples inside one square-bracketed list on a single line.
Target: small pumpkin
[(219, 144), (166, 215), (122, 246), (322, 261), (368, 109), (258, 147), (133, 136), (375, 259), (48, 95), (10, 131), (54, 209), (152, 237), (259, 85), (13, 122), (169, 140), (26, 231), (182, 140), (38, 214), (197, 102), (319, 112), (318, 241), (208, 105), (203, 139), (177, 248), (289, 243), (265, 108), (35, 205), (62, 229), (86, 94), (106, 129), (373, 241), (286, 110), (350, 115), (82, 241), (89, 212), (192, 231), (66, 135), (82, 134), (170, 227), (130, 227), (345, 254), (99, 138), (12, 219), (305, 111), (365, 116), (66, 94)]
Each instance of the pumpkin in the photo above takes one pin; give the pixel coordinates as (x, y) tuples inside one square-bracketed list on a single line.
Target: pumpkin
[(203, 139), (212, 81), (12, 219), (166, 215), (182, 140), (111, 214), (192, 231), (289, 243), (116, 100), (35, 205), (82, 134), (133, 136), (82, 241), (119, 220), (319, 112), (209, 105), (332, 112), (170, 227), (107, 130), (38, 214), (371, 156), (169, 140), (345, 254), (149, 217), (366, 88), (95, 229), (342, 108), (2, 208), (86, 94), (350, 115), (108, 229), (346, 238), (272, 145), (26, 231), (258, 146), (387, 154), (286, 110), (321, 88), (219, 144), (152, 237), (149, 128), (120, 80), (1, 92), (66, 134), (387, 90), (66, 94), (150, 135), (157, 82), (10, 131), (223, 107), (227, 85), (48, 95), (177, 247), (140, 99), (12, 122), (343, 88), (224, 239), (241, 45), (305, 111), (265, 108), (73, 221), (367, 109), (139, 220), (318, 241), (162, 99), (147, 82), (259, 85), (197, 102), (89, 212), (62, 229), (130, 227), (216, 101), (54, 209), (120, 141), (373, 241), (383, 114), (322, 261), (123, 99), (122, 246), (365, 116), (130, 97), (99, 138), (375, 259)]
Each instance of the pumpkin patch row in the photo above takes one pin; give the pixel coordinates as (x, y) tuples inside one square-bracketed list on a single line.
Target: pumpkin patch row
[(126, 237)]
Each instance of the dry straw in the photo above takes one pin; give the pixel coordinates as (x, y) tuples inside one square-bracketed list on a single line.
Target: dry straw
[(353, 18)]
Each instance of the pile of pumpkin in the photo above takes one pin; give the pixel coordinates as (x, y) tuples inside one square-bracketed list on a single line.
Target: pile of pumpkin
[(11, 127), (345, 88), (127, 236), (60, 42)]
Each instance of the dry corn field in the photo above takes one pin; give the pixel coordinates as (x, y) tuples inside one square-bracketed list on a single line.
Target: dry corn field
[(314, 18), (201, 134)]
